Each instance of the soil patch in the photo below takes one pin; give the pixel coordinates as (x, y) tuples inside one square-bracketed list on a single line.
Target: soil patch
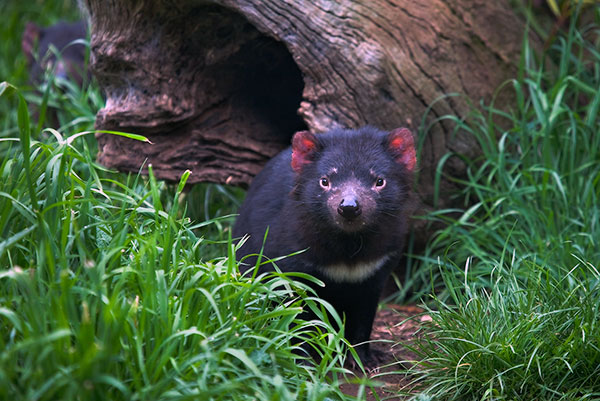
[(394, 327)]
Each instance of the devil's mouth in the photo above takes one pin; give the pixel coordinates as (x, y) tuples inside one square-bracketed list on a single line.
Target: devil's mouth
[(350, 225)]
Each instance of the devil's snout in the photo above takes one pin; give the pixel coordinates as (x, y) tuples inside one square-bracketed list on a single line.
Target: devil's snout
[(349, 207)]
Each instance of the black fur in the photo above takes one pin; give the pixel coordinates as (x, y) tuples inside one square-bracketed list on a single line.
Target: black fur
[(295, 208)]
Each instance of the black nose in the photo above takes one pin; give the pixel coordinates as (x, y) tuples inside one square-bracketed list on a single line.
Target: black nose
[(349, 208)]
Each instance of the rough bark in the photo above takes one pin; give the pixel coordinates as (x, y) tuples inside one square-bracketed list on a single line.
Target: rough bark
[(221, 86)]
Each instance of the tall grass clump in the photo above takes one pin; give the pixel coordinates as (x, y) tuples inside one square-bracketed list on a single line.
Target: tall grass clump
[(108, 291), (518, 316)]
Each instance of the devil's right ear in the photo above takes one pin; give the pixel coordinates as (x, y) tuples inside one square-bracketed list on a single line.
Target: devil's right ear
[(402, 146), (304, 146)]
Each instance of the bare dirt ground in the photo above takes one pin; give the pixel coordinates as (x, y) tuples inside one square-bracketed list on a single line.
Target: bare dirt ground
[(394, 326)]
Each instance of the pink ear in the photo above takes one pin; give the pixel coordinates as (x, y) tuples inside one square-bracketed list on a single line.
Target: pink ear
[(402, 145), (31, 35), (304, 144)]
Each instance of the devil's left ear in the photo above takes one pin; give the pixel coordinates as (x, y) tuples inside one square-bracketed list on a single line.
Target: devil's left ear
[(304, 146), (401, 144)]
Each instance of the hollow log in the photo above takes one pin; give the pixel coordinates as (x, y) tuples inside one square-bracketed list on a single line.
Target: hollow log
[(220, 86)]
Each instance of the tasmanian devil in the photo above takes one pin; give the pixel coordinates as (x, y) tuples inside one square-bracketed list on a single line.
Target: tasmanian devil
[(66, 39), (58, 48), (342, 196)]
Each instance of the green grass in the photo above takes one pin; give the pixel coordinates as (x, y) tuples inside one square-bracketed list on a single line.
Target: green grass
[(518, 314)]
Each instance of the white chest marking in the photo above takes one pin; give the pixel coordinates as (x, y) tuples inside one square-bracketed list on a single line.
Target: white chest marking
[(353, 273)]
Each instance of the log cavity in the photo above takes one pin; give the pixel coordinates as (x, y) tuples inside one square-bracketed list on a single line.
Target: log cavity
[(254, 74), (211, 92), (264, 84)]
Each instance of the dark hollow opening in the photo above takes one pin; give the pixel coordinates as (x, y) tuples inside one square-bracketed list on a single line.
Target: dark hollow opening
[(248, 78), (269, 84)]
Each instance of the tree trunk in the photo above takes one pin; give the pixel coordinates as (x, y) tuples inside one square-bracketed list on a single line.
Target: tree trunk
[(220, 86)]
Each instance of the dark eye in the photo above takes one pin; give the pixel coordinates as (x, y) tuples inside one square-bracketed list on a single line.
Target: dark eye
[(379, 182), (324, 182)]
